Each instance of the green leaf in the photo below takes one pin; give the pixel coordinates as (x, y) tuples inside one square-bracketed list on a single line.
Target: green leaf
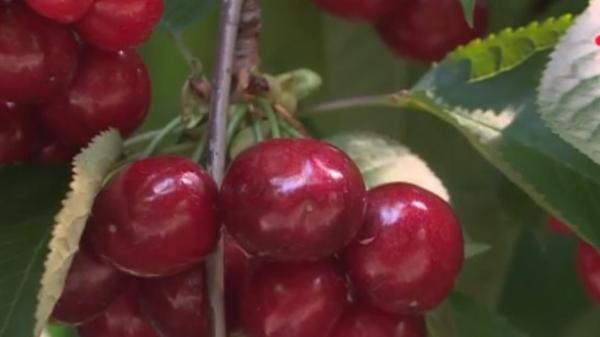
[(30, 197), (499, 118), (475, 320), (468, 7), (570, 88), (181, 13), (506, 50)]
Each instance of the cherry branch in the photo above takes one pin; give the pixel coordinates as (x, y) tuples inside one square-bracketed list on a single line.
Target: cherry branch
[(228, 29)]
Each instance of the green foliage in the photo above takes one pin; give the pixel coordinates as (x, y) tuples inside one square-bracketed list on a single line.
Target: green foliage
[(181, 13), (504, 51), (29, 200)]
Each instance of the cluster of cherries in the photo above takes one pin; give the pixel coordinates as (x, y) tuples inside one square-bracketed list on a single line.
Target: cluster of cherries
[(68, 71), (587, 260), (309, 252), (421, 29)]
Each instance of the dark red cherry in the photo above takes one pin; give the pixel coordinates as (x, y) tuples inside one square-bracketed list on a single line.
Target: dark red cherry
[(122, 319), (91, 286), (38, 57), (64, 11), (156, 217), (120, 24), (368, 10), (360, 320), (111, 89), (558, 227), (293, 300), (427, 30), (53, 151), (409, 252), (588, 268), (178, 306), (238, 269), (18, 134), (293, 199)]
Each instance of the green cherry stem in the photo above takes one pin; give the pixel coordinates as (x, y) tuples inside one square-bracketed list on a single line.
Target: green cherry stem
[(164, 132), (257, 130), (265, 106), (237, 116)]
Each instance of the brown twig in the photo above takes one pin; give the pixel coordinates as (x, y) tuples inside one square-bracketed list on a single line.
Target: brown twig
[(228, 30), (282, 111)]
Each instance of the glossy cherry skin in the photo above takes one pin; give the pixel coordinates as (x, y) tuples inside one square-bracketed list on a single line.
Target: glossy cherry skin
[(293, 199), (157, 217), (410, 251), (178, 305), (239, 266), (120, 24), (360, 320), (368, 10), (427, 30), (558, 227), (588, 268), (63, 11), (91, 286), (122, 319), (111, 89), (38, 57), (293, 300), (18, 134)]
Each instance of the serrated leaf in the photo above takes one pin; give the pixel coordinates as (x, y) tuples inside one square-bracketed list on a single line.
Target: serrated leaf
[(90, 168), (569, 93), (182, 13), (29, 199), (506, 50), (384, 161), (475, 320), (468, 7)]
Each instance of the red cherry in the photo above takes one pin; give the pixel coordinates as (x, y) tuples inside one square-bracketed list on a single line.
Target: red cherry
[(293, 199), (558, 227), (18, 134), (120, 24), (588, 268), (238, 268), (91, 286), (157, 217), (368, 10), (54, 152), (122, 319), (409, 252), (63, 11), (38, 57), (427, 30), (178, 306), (110, 90), (293, 300), (359, 320)]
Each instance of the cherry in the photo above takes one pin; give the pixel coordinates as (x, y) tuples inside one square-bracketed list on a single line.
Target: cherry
[(409, 252), (238, 268), (18, 138), (156, 217), (293, 300), (122, 319), (558, 227), (63, 11), (359, 320), (588, 268), (53, 151), (178, 306), (120, 24), (368, 10), (293, 199), (38, 57), (111, 89), (427, 30), (91, 286)]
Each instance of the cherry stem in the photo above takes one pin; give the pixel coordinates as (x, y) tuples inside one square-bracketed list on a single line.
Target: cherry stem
[(161, 135), (265, 106), (228, 29), (257, 130), (352, 102)]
